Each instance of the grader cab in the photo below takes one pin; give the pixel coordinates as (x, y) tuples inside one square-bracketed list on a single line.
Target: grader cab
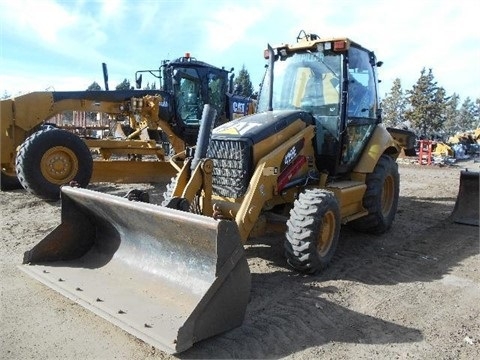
[(41, 157)]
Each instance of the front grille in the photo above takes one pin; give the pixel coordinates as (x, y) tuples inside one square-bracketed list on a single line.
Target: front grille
[(231, 167)]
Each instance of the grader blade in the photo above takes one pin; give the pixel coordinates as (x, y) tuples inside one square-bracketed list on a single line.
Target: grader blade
[(168, 277), (466, 210)]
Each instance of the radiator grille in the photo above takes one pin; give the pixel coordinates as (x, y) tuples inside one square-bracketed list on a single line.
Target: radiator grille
[(231, 167)]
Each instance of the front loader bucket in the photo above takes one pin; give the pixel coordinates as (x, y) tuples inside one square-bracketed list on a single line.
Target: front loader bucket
[(466, 210), (168, 277)]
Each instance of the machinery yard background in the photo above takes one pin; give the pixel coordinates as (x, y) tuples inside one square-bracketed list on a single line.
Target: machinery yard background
[(412, 293)]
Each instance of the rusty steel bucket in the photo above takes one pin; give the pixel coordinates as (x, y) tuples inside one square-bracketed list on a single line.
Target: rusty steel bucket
[(466, 210), (168, 277)]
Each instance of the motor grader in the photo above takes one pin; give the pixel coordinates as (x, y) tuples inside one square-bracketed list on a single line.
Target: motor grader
[(315, 156), (42, 157)]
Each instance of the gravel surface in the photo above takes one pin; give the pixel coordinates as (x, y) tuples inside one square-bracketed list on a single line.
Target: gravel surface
[(412, 293)]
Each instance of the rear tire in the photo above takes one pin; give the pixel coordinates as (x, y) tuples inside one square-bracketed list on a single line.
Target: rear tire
[(313, 231), (51, 158), (9, 182), (381, 197)]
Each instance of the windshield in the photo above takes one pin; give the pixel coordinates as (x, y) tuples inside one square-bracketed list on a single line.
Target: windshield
[(188, 97), (307, 81), (196, 86)]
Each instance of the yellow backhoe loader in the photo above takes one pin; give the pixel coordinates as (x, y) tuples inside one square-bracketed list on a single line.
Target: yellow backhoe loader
[(315, 154), (41, 157)]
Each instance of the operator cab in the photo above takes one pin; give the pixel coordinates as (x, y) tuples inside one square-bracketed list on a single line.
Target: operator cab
[(334, 80), (193, 84), (187, 85)]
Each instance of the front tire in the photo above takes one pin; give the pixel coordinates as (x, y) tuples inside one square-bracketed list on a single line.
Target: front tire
[(168, 193), (51, 158), (313, 231), (381, 197), (174, 202)]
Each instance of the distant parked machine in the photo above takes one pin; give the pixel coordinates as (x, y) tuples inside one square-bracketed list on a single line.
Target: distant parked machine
[(42, 158)]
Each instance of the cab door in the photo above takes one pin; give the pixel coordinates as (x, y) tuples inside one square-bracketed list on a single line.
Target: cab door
[(361, 117)]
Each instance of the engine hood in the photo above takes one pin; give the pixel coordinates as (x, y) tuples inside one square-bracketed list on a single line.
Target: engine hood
[(257, 127)]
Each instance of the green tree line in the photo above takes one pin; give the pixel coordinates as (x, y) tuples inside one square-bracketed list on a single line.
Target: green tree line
[(428, 110)]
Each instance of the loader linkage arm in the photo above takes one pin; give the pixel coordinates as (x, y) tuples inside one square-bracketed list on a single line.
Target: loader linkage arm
[(189, 184)]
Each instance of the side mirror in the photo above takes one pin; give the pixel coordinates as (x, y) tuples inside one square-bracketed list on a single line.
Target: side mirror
[(138, 81)]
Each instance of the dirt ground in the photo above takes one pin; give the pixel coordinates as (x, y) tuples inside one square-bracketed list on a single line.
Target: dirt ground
[(412, 293)]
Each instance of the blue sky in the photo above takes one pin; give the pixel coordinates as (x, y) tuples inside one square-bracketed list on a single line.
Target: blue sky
[(60, 45)]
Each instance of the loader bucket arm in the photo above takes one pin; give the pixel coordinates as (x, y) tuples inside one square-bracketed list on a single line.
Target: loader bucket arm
[(466, 210), (138, 266), (406, 139)]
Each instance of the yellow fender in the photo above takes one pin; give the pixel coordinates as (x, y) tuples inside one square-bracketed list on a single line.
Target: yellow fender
[(380, 143)]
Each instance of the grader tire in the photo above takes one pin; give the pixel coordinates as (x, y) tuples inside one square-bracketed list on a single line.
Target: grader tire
[(9, 182), (51, 158), (381, 197), (313, 231)]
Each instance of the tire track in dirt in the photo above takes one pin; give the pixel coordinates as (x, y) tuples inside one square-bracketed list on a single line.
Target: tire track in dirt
[(299, 315), (391, 259)]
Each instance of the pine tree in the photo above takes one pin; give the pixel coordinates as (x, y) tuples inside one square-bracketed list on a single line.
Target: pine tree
[(427, 105), (467, 120), (452, 114), (477, 113), (94, 87), (151, 86), (124, 85), (394, 105), (438, 111), (243, 83)]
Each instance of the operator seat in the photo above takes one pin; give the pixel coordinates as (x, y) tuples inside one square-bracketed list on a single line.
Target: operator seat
[(313, 95), (358, 99)]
